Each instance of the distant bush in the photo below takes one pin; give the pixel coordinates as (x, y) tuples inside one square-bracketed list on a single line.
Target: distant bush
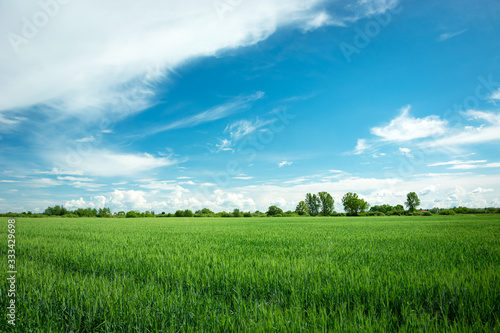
[(427, 214), (461, 210), (447, 212), (274, 210), (131, 214), (237, 213), (247, 214), (434, 210)]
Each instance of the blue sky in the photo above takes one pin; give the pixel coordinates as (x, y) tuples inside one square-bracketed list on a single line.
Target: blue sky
[(161, 105)]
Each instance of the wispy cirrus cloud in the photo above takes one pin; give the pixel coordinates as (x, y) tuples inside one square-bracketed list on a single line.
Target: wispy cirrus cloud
[(139, 45), (466, 164), (457, 162), (217, 112), (474, 166), (242, 128), (239, 131), (488, 131), (449, 35), (108, 163)]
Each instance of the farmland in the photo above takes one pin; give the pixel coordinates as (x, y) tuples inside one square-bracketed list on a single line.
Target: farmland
[(256, 274)]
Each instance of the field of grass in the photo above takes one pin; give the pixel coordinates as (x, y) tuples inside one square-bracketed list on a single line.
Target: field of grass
[(382, 274)]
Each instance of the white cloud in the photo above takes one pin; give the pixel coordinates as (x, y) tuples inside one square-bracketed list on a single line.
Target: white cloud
[(87, 186), (223, 145), (407, 128), (44, 182), (482, 190), (486, 132), (449, 35), (242, 128), (78, 179), (212, 114), (139, 44), (427, 190), (57, 171), (496, 95), (474, 166), (405, 152), (321, 19), (284, 163), (243, 177), (86, 139), (457, 162), (108, 163), (78, 203), (130, 199), (435, 190), (296, 181), (361, 146), (11, 120)]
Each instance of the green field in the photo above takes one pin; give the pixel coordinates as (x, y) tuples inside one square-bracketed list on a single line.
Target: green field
[(382, 274)]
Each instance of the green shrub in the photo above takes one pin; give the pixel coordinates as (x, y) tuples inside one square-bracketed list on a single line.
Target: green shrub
[(447, 212), (427, 214)]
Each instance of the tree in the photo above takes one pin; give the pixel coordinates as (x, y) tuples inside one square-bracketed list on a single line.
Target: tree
[(188, 213), (326, 203), (353, 204), (412, 201), (131, 214), (274, 210), (237, 213), (301, 208), (313, 203)]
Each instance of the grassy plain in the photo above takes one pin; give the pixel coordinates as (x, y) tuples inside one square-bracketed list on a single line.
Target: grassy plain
[(381, 274)]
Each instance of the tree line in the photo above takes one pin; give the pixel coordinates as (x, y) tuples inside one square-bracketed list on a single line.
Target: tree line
[(321, 204)]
